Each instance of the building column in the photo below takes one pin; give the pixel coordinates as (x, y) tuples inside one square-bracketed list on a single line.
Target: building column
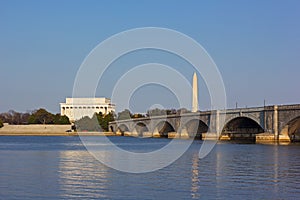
[(62, 111)]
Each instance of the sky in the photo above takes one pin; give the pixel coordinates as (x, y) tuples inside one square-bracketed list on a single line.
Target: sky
[(255, 45)]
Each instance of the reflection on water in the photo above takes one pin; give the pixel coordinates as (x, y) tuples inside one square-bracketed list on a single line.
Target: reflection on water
[(81, 176), (195, 177), (61, 168), (276, 169)]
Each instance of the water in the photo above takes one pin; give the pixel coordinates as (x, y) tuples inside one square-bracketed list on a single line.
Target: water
[(61, 168)]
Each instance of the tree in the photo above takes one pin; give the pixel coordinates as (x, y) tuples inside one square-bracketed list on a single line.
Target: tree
[(171, 111), (1, 123), (88, 124), (160, 112), (183, 110), (13, 117), (32, 119), (58, 119), (138, 115), (41, 116), (156, 112), (105, 119), (125, 114), (98, 122)]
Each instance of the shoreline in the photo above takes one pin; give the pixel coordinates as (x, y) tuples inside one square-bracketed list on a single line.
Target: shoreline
[(46, 130), (65, 130), (99, 134), (58, 134)]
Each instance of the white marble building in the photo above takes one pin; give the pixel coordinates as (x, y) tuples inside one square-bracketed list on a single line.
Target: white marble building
[(76, 108)]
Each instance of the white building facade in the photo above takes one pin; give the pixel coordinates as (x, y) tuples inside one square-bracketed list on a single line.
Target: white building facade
[(77, 108)]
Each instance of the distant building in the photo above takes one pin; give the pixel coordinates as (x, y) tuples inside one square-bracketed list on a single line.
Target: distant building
[(76, 108)]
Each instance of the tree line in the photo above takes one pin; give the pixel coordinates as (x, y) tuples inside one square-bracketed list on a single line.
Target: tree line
[(40, 116), (100, 122), (126, 114)]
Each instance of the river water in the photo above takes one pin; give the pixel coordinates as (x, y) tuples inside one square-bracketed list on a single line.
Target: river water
[(61, 168)]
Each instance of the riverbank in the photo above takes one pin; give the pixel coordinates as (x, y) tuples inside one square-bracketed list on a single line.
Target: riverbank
[(65, 130), (45, 130), (60, 134)]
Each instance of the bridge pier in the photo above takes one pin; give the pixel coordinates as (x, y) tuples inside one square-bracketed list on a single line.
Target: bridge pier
[(184, 134), (134, 133), (283, 138), (156, 133), (265, 138), (127, 133), (210, 136), (173, 135), (147, 134), (225, 137), (118, 133)]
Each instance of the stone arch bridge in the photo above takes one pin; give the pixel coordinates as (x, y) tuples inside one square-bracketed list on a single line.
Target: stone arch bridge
[(277, 123)]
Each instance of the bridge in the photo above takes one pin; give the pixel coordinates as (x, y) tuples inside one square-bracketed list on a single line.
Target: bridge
[(268, 123)]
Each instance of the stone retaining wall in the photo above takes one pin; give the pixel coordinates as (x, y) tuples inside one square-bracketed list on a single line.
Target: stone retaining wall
[(34, 129)]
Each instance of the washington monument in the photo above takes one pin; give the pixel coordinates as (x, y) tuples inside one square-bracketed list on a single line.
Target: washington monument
[(195, 93)]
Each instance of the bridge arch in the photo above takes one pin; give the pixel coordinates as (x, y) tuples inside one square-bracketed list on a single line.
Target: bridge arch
[(292, 129), (242, 128), (140, 129), (162, 129), (111, 128), (122, 128), (246, 115), (194, 128)]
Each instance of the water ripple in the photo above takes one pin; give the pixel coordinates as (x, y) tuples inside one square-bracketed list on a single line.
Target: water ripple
[(61, 168)]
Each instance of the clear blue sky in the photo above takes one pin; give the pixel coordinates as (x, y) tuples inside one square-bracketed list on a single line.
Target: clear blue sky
[(255, 44)]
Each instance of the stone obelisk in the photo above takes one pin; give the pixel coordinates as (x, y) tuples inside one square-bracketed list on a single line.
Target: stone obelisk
[(195, 93)]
